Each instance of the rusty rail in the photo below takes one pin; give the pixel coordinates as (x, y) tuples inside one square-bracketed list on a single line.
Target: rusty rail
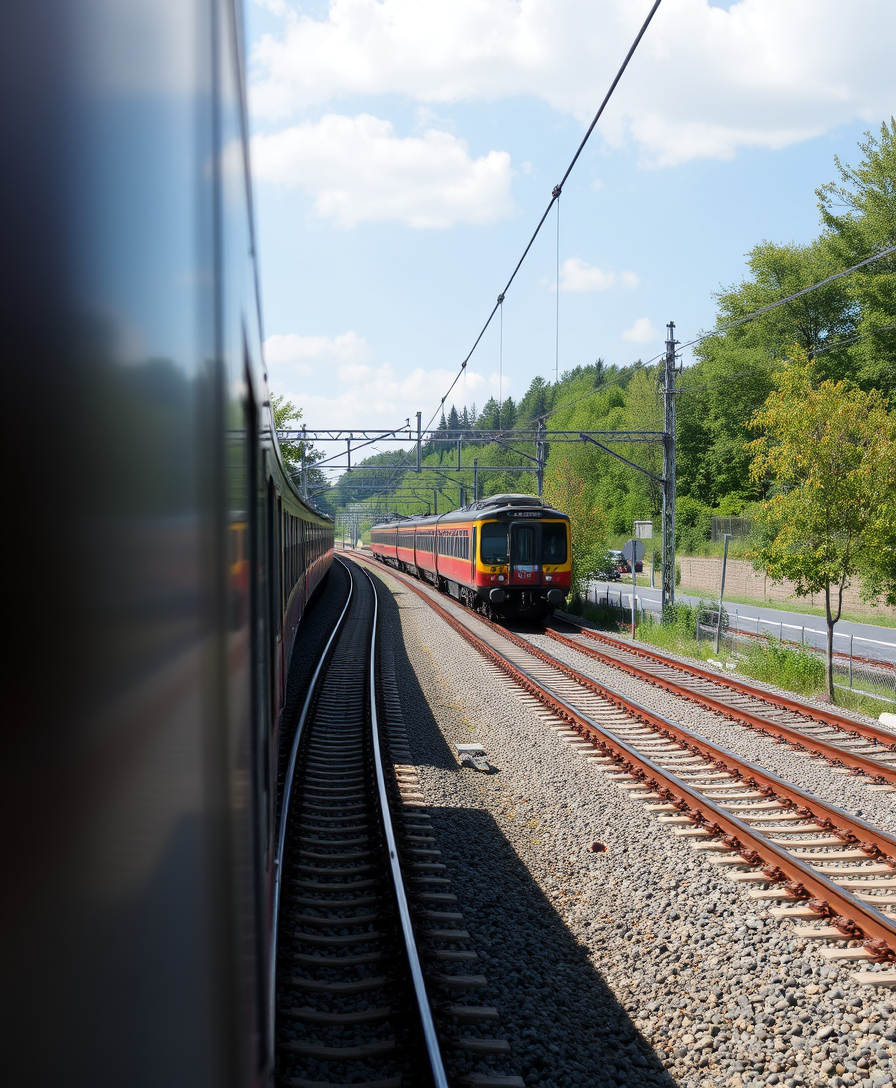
[(803, 882)]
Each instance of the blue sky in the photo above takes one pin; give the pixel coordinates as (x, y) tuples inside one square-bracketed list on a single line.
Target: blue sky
[(403, 151)]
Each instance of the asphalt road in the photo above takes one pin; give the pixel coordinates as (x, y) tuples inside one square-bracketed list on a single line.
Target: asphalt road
[(797, 627)]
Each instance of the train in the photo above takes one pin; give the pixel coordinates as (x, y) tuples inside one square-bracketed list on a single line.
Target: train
[(159, 558), (506, 556)]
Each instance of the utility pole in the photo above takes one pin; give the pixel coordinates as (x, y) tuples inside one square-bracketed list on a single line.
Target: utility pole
[(419, 442), (540, 456), (475, 479), (668, 592)]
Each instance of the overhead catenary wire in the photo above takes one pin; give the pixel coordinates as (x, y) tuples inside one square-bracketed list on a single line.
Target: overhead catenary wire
[(733, 325), (557, 301), (555, 195), (790, 298)]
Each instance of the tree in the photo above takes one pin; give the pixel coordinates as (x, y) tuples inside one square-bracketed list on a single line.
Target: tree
[(860, 214), (830, 451), (285, 413), (566, 490)]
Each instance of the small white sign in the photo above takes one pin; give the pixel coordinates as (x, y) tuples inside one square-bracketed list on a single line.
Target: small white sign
[(644, 530)]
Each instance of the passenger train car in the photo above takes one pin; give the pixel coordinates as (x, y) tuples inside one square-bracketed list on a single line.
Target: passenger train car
[(507, 555), (158, 560)]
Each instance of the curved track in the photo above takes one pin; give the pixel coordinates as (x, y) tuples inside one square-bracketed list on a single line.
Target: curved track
[(822, 863), (359, 884), (351, 1000)]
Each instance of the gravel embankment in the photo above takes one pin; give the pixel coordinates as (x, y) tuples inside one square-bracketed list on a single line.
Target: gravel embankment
[(639, 965), (814, 776)]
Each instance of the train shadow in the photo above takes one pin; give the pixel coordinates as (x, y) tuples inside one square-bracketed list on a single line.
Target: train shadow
[(564, 1022), (566, 1026)]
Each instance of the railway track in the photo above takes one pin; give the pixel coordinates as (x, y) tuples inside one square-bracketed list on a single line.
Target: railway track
[(860, 747), (370, 956), (819, 864)]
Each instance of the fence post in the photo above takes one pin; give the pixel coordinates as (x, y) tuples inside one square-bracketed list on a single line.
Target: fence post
[(803, 635), (850, 660)]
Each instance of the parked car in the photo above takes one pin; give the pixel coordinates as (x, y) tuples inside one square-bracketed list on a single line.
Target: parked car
[(622, 564)]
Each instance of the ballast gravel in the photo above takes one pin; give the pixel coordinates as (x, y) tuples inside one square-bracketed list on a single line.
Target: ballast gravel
[(616, 954), (813, 775)]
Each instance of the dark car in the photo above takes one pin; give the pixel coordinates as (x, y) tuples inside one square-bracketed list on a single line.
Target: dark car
[(622, 564)]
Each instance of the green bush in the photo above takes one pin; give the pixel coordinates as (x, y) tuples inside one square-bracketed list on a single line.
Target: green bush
[(693, 524), (774, 662), (608, 617)]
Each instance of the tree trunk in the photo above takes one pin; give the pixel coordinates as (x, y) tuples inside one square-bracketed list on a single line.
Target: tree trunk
[(829, 656)]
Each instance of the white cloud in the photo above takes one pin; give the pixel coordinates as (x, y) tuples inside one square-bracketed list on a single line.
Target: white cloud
[(299, 354), (359, 170), (578, 275), (705, 82), (642, 332), (376, 396)]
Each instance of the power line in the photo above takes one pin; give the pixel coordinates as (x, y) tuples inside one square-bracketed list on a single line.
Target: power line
[(555, 195), (735, 324), (781, 301)]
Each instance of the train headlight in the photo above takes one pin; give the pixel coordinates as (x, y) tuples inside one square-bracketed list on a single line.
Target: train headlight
[(500, 577)]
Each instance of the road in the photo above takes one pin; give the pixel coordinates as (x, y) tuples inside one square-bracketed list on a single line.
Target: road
[(797, 627)]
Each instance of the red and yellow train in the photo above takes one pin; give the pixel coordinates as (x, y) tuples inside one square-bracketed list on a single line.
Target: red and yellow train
[(507, 555)]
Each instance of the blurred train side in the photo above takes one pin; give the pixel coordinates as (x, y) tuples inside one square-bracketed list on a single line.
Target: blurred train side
[(157, 561)]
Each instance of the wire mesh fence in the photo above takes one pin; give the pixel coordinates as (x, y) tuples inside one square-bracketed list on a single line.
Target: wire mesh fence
[(864, 665)]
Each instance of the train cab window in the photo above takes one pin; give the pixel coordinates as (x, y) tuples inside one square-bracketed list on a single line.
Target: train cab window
[(524, 545), (494, 547), (553, 542)]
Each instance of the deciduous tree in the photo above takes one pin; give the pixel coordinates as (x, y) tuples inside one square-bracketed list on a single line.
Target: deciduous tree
[(829, 450)]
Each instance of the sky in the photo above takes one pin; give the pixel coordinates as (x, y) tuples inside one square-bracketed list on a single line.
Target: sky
[(403, 152)]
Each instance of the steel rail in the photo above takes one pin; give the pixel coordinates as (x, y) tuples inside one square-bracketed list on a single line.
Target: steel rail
[(284, 808), (801, 880), (783, 702), (868, 766), (424, 1011)]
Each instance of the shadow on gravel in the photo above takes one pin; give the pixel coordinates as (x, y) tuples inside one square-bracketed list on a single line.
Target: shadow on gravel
[(565, 1025)]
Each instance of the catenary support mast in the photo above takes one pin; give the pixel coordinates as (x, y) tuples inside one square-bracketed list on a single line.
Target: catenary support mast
[(668, 594)]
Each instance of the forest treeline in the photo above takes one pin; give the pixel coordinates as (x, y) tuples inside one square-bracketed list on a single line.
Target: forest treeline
[(846, 329)]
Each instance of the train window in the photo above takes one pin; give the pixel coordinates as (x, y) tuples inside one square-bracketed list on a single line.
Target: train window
[(553, 542), (494, 547), (523, 545)]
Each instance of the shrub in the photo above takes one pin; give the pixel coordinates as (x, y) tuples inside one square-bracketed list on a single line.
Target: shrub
[(777, 663)]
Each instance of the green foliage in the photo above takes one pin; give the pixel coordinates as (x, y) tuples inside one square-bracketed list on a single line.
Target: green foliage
[(774, 662), (606, 617), (860, 215), (693, 524), (830, 451), (568, 489)]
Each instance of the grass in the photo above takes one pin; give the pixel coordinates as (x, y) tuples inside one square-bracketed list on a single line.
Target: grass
[(769, 660), (861, 703), (774, 662)]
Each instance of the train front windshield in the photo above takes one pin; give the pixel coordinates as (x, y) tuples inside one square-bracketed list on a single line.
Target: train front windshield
[(494, 547), (553, 543)]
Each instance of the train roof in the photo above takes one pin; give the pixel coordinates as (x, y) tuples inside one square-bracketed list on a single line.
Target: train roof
[(521, 506)]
